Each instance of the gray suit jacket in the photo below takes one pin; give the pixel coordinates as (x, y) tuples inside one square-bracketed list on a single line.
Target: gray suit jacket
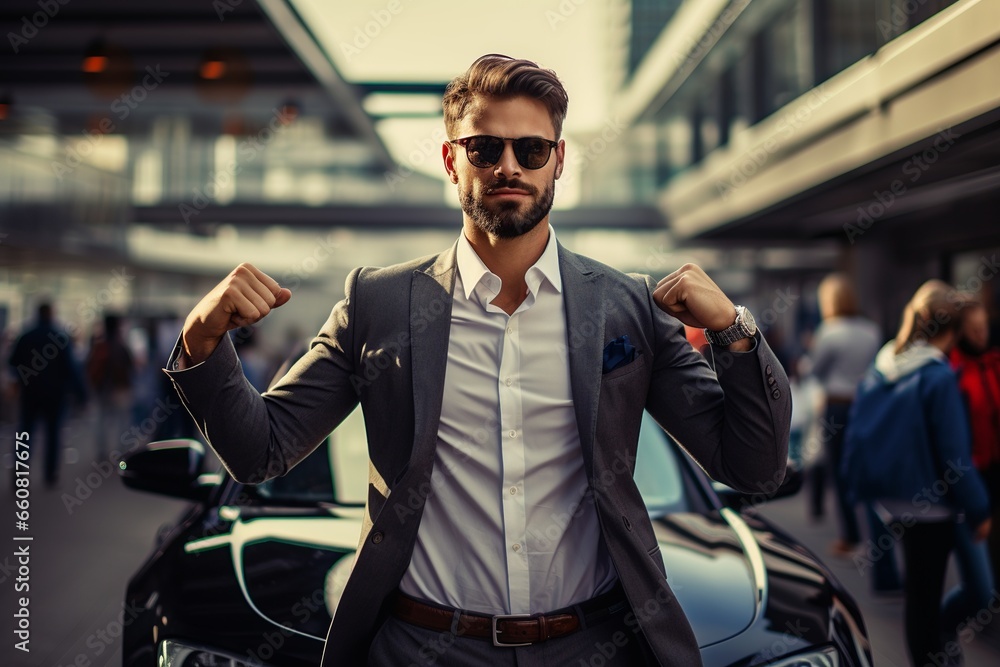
[(386, 345)]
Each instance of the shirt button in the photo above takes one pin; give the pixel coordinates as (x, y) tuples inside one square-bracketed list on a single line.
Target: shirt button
[(513, 490), (516, 547), (510, 330), (513, 434), (377, 536), (508, 382)]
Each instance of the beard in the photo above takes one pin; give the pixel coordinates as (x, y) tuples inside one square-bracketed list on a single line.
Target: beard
[(503, 219)]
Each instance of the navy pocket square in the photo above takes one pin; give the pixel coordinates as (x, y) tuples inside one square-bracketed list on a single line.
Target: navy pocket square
[(618, 353)]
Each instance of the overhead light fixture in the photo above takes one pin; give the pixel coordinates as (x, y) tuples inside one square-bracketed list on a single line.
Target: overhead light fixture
[(224, 75), (95, 58), (213, 66)]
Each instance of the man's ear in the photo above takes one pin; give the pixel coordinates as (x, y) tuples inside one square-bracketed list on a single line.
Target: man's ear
[(560, 157), (449, 162)]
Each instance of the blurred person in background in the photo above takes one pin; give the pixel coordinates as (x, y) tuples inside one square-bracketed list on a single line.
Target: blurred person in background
[(977, 367), (110, 368), (46, 374), (842, 349), (907, 435), (807, 400)]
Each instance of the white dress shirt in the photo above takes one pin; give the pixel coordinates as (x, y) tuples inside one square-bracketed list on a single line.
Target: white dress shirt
[(508, 526)]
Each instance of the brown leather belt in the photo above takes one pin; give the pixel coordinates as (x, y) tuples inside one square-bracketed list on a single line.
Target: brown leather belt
[(509, 629)]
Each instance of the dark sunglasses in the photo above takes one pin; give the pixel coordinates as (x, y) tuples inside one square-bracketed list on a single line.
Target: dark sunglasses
[(485, 151)]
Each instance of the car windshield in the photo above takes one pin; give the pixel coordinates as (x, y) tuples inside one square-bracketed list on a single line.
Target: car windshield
[(337, 472)]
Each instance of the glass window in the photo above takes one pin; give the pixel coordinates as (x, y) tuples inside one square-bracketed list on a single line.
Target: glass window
[(786, 62), (337, 472), (846, 33), (657, 471)]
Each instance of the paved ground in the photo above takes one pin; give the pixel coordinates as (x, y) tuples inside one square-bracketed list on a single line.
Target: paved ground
[(89, 535), (92, 533), (884, 616)]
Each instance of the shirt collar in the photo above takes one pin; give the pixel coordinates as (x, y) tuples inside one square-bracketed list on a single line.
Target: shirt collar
[(473, 271)]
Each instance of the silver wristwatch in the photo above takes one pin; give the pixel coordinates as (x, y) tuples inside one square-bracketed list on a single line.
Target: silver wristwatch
[(743, 327)]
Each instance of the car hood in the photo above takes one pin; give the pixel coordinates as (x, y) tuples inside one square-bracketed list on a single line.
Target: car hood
[(714, 569), (708, 567)]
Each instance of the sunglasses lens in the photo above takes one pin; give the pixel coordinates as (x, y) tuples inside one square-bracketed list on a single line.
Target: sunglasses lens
[(532, 152), (484, 151)]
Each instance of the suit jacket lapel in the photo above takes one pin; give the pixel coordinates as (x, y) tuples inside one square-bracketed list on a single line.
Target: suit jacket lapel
[(430, 327), (585, 333)]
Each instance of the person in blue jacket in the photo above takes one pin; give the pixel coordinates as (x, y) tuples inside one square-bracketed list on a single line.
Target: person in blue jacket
[(908, 450)]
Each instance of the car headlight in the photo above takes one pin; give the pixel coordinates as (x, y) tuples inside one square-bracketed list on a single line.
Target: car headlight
[(827, 657), (177, 654)]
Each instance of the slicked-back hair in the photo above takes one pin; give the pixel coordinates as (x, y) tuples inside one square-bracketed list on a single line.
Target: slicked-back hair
[(503, 77)]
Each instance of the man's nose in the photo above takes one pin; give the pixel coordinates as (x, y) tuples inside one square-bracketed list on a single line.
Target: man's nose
[(508, 165)]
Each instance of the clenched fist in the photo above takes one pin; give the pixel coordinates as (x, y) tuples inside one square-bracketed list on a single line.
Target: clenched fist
[(693, 298), (244, 297)]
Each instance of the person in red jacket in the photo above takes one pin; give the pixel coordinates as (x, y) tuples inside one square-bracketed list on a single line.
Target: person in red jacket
[(978, 369)]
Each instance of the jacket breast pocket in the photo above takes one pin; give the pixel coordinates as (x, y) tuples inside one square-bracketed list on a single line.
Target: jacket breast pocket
[(627, 369)]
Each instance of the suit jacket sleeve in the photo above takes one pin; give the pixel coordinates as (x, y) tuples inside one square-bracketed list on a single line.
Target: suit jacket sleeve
[(260, 436), (733, 421)]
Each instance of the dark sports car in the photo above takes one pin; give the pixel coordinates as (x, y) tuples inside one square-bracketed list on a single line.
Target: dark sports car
[(251, 575)]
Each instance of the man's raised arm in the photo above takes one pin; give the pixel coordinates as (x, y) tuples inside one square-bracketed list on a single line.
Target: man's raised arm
[(259, 436)]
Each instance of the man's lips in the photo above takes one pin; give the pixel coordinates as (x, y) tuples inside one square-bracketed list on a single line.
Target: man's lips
[(507, 191)]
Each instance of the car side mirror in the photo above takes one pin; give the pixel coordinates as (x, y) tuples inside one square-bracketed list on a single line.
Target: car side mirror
[(740, 501), (168, 467)]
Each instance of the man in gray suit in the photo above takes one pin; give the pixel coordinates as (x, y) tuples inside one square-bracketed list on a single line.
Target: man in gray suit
[(502, 383)]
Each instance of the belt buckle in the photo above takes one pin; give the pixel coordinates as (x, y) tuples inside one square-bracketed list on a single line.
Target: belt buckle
[(505, 617)]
